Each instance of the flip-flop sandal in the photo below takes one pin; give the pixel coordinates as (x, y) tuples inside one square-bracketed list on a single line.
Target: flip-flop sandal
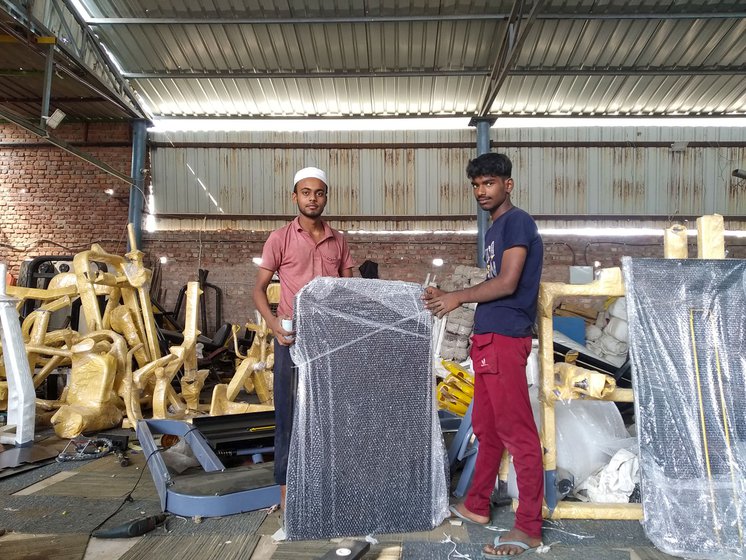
[(461, 516), (498, 543)]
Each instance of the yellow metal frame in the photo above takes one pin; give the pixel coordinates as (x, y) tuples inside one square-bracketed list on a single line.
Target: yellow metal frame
[(710, 245)]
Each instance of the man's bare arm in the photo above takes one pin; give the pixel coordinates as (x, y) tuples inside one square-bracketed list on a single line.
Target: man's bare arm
[(259, 295), (504, 284)]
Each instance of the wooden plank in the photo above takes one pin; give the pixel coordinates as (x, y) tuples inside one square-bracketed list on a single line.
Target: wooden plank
[(649, 553), (203, 547), (102, 485), (33, 547), (39, 486)]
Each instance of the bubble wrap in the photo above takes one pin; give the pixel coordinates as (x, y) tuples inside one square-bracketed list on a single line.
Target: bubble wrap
[(367, 454), (688, 348)]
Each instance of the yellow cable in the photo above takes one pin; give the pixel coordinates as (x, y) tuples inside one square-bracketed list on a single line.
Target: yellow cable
[(702, 421), (726, 428)]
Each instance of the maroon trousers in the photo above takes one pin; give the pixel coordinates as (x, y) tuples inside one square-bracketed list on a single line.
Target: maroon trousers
[(502, 418)]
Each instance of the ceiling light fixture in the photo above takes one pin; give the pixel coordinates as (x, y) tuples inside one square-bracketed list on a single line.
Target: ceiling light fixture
[(56, 118)]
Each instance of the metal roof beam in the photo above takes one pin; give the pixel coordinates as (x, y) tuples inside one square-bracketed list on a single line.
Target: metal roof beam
[(291, 20), (401, 19), (53, 100), (541, 114), (44, 135), (515, 35), (631, 71), (124, 90), (263, 75), (98, 88), (83, 52)]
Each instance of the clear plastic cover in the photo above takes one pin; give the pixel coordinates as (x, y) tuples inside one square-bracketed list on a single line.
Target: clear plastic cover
[(367, 454), (688, 348)]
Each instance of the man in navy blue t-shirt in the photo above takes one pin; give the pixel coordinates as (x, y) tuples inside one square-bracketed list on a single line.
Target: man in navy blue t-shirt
[(506, 311)]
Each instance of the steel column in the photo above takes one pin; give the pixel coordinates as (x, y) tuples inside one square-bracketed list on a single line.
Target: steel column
[(137, 192), (483, 147), (48, 73)]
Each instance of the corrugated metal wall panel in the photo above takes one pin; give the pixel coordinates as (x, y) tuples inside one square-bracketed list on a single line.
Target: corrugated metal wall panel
[(377, 182), (371, 179)]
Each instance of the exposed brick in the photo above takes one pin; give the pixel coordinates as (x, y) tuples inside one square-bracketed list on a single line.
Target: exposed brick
[(48, 211)]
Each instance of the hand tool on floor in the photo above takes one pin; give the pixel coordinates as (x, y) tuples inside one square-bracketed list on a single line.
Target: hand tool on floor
[(133, 528)]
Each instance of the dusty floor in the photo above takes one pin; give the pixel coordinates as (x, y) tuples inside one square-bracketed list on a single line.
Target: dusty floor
[(49, 512)]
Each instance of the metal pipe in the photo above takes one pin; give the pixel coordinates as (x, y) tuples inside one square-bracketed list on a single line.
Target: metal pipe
[(137, 192), (176, 144), (503, 65), (483, 147), (523, 115), (293, 20), (47, 94), (269, 75), (628, 71), (405, 19)]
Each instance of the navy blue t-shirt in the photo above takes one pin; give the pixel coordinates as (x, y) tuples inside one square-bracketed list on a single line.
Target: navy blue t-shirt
[(512, 315)]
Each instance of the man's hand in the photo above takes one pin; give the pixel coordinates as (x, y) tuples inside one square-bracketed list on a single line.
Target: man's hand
[(439, 302), (285, 338)]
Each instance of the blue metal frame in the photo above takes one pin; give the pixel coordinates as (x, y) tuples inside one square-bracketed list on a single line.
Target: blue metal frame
[(464, 448), (550, 489), (180, 503)]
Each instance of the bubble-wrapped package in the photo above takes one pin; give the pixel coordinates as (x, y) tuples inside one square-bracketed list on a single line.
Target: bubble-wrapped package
[(366, 454), (688, 349)]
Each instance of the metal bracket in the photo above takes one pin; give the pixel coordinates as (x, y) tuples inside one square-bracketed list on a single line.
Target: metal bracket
[(215, 492)]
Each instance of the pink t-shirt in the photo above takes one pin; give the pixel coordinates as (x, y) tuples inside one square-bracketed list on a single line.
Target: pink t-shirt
[(292, 253)]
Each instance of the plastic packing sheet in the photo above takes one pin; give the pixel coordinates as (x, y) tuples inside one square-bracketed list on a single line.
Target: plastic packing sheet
[(688, 349), (367, 453)]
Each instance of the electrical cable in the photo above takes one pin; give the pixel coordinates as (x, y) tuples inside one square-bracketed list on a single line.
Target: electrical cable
[(572, 251), (703, 424), (726, 428), (36, 242), (128, 497)]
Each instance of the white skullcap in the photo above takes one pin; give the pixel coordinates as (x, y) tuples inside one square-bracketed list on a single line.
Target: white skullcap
[(310, 173)]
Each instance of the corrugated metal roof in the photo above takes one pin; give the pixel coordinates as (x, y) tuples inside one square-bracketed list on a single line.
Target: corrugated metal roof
[(231, 58), (229, 97), (647, 56)]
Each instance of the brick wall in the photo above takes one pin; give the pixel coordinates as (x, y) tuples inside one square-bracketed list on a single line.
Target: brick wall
[(228, 256), (53, 203)]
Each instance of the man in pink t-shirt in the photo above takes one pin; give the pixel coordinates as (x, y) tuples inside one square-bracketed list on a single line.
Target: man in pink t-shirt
[(298, 252)]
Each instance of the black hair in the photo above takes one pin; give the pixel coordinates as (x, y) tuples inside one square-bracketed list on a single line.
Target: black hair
[(489, 164)]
